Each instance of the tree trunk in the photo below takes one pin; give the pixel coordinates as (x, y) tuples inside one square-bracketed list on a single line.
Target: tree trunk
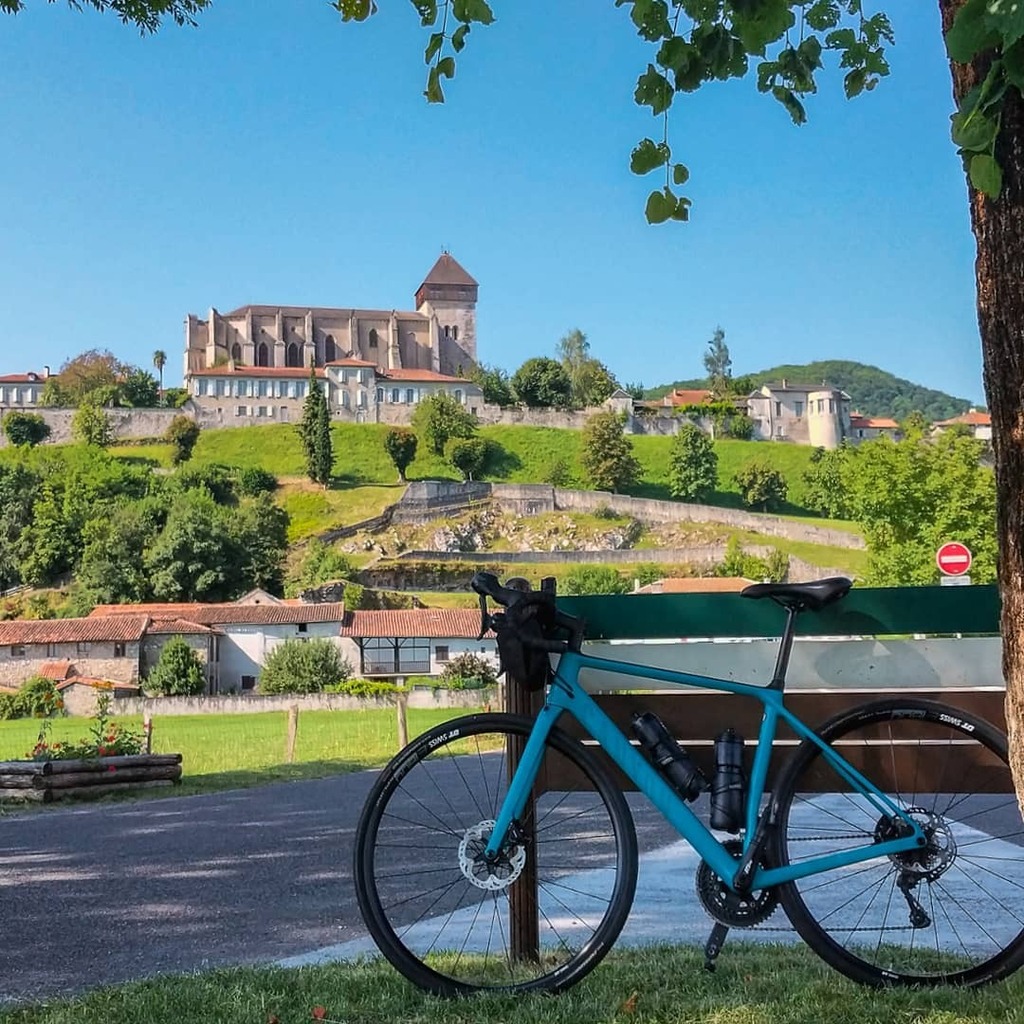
[(998, 227)]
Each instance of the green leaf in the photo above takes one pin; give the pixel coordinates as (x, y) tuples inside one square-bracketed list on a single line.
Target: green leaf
[(651, 19), (427, 10), (771, 20), (648, 155), (986, 175), (653, 90), (355, 10), (1013, 65), (660, 206), (459, 38), (974, 131), (855, 82), (472, 10), (788, 99), (822, 15), (970, 34), (434, 44), (433, 91), (1006, 17), (675, 54), (680, 174), (682, 210)]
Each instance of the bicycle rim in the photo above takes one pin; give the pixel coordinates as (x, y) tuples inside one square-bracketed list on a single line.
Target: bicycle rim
[(441, 914), (949, 913)]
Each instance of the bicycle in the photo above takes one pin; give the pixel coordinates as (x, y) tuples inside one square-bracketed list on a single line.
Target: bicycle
[(461, 845)]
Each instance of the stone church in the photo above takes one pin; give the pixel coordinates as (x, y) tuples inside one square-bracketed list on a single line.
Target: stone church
[(439, 336)]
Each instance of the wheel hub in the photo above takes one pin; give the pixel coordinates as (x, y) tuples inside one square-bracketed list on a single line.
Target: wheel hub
[(927, 862), (495, 874)]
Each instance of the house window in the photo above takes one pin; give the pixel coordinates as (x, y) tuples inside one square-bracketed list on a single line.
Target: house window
[(303, 627), (83, 648), (831, 405), (17, 650), (410, 396), (383, 656), (291, 356), (447, 332), (362, 400), (248, 682), (30, 397), (262, 389), (798, 409), (442, 652), (395, 394), (236, 352), (262, 354), (201, 388), (380, 394), (860, 433), (51, 650), (373, 337), (346, 400), (218, 388), (119, 650), (458, 395), (241, 410), (778, 408), (455, 334)]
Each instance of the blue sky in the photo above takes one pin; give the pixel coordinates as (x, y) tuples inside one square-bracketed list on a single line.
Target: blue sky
[(287, 158)]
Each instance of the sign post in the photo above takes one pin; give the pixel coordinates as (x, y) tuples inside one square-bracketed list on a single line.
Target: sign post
[(954, 562)]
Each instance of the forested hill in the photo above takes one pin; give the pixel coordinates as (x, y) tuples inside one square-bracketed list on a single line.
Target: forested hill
[(874, 392)]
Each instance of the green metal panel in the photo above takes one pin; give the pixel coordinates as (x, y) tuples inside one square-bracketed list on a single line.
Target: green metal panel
[(865, 611)]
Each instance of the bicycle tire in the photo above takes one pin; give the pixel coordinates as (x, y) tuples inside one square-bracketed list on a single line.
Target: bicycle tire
[(973, 935), (456, 771)]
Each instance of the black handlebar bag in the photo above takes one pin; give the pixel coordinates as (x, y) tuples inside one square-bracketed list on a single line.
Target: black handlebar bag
[(522, 631)]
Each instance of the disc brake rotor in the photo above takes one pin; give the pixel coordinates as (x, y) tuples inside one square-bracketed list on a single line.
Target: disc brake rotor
[(495, 874)]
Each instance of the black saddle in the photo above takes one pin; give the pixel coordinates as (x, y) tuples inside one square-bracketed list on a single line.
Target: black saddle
[(814, 595)]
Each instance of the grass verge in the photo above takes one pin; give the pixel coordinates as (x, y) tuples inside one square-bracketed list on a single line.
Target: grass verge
[(230, 751), (657, 985)]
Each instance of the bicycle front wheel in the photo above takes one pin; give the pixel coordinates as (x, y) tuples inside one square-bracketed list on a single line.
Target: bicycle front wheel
[(951, 912), (440, 912)]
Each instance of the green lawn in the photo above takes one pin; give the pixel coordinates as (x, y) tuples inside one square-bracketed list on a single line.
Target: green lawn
[(223, 751), (657, 985)]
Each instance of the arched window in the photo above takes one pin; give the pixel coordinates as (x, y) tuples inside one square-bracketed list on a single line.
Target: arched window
[(330, 349), (292, 356), (455, 333), (236, 352), (373, 337), (447, 332), (262, 354)]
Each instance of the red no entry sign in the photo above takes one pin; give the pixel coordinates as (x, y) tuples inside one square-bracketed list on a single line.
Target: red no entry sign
[(953, 559)]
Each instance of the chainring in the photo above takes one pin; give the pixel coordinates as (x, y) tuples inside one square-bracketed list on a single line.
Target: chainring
[(728, 907)]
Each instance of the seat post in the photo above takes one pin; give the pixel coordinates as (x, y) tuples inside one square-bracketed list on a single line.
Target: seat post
[(785, 647)]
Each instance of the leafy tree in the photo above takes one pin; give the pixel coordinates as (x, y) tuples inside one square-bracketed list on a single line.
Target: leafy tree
[(400, 444), (94, 376), (315, 433), (183, 434), (468, 455), (635, 391), (594, 579), (18, 489), (159, 362), (178, 671), (174, 398), (738, 562), (693, 465), (138, 389), (259, 530), (215, 480), (718, 364), (112, 568), (37, 697), (590, 381), (25, 429), (542, 383), (440, 418), (303, 666), (761, 485), (494, 383), (323, 564), (91, 426), (915, 425), (827, 488), (147, 15), (254, 480), (607, 454)]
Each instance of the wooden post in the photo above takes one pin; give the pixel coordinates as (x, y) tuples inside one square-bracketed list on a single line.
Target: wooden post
[(524, 937), (147, 728), (293, 731), (401, 711)]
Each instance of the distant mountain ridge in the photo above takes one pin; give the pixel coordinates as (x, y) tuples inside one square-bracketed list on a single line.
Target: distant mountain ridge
[(873, 391)]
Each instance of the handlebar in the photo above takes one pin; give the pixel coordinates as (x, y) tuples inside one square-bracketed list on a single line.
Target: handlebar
[(487, 585)]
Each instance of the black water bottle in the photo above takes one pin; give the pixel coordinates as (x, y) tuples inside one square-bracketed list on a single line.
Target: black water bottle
[(673, 762), (728, 791)]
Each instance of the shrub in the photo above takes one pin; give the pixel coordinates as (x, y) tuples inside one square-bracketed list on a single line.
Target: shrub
[(559, 472), (439, 418), (178, 671), (466, 668), (37, 698), (253, 480), (400, 444), (91, 426), (25, 429), (595, 579), (323, 564), (182, 433), (106, 739), (738, 562), (303, 666), (761, 485), (365, 688), (468, 455), (693, 465), (607, 454)]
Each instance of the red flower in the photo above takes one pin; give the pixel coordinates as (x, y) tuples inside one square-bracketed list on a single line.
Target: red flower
[(319, 1013), (111, 768)]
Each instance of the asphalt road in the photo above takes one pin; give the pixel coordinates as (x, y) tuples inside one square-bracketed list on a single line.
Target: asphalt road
[(104, 894)]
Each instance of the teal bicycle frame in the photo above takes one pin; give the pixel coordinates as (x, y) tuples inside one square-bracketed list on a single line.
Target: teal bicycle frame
[(566, 695)]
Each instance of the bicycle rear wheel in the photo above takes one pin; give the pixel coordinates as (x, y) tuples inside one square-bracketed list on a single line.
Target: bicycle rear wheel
[(440, 913), (949, 913)]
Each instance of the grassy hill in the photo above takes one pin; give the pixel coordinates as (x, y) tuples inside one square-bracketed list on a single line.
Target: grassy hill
[(874, 392)]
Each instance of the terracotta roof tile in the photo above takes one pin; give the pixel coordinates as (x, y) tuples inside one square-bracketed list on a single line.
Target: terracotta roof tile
[(57, 670), (120, 628), (226, 614), (456, 623), (351, 361), (874, 422), (287, 372), (972, 419), (22, 378), (177, 627), (424, 375)]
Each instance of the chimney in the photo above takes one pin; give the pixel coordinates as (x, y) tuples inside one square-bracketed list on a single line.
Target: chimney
[(46, 373), (784, 382)]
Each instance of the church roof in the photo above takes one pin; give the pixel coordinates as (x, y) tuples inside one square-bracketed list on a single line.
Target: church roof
[(341, 312), (447, 270)]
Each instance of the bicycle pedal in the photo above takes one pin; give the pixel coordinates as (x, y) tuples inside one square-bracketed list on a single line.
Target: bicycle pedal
[(716, 940)]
